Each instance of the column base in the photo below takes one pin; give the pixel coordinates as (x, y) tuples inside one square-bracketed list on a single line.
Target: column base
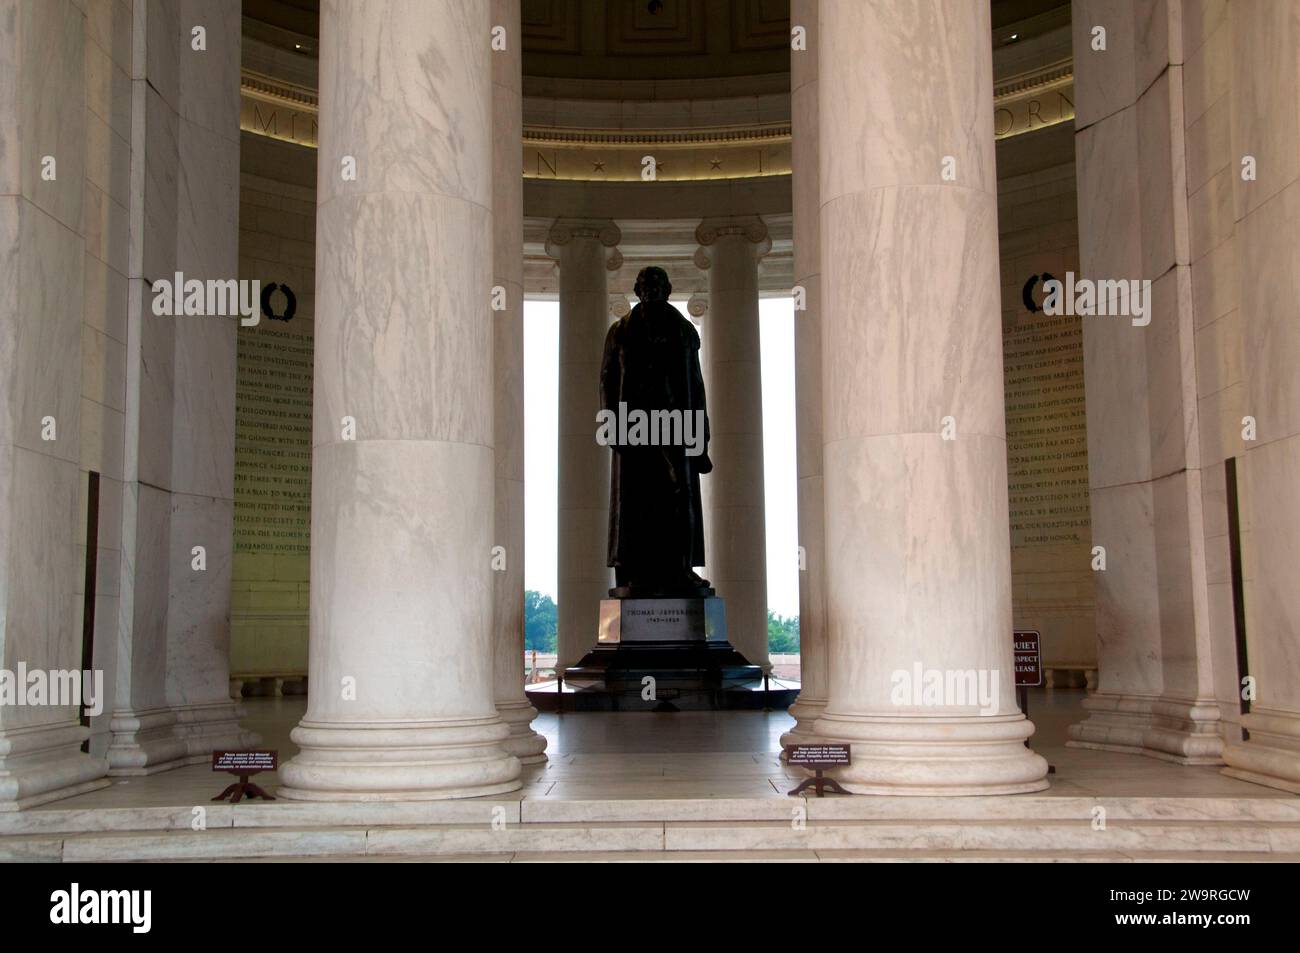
[(1177, 730), (522, 742), (805, 711), (45, 763), (399, 761), (935, 756), (1272, 755), (159, 739)]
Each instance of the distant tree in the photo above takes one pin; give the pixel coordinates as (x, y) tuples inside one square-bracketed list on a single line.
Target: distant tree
[(782, 634), (539, 622)]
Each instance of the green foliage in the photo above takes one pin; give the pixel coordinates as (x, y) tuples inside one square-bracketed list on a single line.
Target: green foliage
[(782, 634), (539, 622), (540, 626)]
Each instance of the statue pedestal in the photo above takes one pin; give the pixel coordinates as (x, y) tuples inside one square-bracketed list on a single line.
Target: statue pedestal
[(679, 643), (661, 620)]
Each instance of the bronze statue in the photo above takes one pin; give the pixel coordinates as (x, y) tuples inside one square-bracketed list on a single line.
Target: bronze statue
[(655, 419)]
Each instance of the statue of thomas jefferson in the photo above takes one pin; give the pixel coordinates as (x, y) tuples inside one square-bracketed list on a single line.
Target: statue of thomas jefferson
[(656, 421)]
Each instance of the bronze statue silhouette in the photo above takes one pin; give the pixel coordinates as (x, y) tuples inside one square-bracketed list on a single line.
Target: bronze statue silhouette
[(652, 397)]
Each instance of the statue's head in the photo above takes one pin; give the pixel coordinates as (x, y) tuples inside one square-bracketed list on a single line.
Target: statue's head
[(652, 284)]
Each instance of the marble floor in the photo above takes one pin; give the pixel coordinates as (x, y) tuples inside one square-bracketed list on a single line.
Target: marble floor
[(638, 755)]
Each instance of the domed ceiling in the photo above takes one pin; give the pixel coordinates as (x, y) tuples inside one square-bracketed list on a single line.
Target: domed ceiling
[(702, 86), (633, 39)]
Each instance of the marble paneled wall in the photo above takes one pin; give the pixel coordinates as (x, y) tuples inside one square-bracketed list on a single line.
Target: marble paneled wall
[(103, 334), (1156, 690), (1244, 153), (43, 279), (173, 655), (1206, 35)]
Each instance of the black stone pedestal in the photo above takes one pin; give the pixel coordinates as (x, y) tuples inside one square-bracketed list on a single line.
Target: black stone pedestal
[(665, 654)]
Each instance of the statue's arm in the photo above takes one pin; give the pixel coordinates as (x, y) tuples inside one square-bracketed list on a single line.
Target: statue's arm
[(610, 372), (697, 389)]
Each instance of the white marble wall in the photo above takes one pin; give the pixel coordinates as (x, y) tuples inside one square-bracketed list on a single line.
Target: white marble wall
[(917, 538), (508, 395), (401, 665), (1244, 78), (1193, 90), (103, 334), (806, 188), (172, 705), (1156, 687), (585, 248), (42, 306), (735, 543)]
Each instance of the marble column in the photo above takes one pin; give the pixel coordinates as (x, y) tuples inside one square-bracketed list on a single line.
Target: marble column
[(806, 188), (735, 538), (918, 568), (586, 251), (508, 407), (401, 663), (172, 704), (42, 126)]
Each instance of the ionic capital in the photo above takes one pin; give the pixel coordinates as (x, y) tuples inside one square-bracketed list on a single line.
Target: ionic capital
[(752, 228), (566, 230)]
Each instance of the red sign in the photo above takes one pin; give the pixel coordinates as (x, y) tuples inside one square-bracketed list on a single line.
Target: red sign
[(1028, 658)]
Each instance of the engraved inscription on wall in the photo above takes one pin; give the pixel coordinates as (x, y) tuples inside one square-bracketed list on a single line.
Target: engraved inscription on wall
[(1047, 443), (273, 442)]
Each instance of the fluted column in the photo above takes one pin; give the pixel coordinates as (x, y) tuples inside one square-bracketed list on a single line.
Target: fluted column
[(586, 251), (508, 424), (917, 541), (806, 185), (735, 543), (402, 701)]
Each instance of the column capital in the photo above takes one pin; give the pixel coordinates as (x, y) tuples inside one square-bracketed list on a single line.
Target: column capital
[(753, 228), (565, 230)]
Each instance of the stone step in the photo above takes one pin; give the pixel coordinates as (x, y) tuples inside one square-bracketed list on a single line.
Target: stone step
[(971, 834), (321, 815), (1048, 839), (880, 856), (1019, 808), (792, 856)]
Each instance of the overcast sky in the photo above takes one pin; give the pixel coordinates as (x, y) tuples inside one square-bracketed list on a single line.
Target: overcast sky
[(541, 381)]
